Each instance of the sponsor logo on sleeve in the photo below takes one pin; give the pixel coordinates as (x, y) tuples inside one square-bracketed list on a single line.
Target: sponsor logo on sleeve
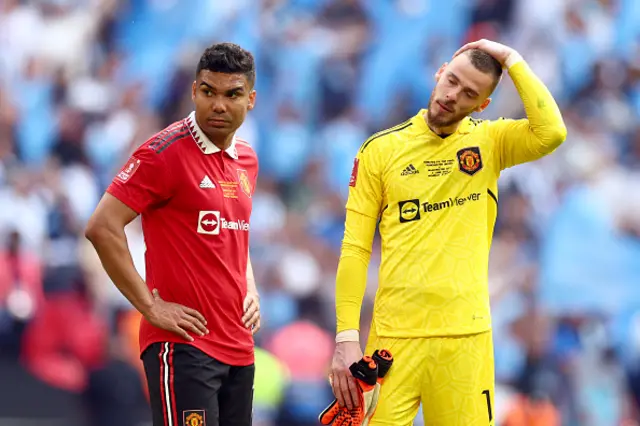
[(354, 172), (128, 170)]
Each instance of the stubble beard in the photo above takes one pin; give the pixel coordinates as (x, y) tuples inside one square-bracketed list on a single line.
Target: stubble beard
[(438, 122)]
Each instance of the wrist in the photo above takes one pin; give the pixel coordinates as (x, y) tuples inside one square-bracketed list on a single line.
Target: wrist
[(348, 336), (146, 307), (513, 58)]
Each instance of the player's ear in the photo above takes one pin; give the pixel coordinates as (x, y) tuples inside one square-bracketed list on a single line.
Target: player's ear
[(440, 71), (193, 91), (483, 105), (252, 100)]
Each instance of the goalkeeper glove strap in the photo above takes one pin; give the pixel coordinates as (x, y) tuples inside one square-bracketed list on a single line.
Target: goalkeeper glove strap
[(384, 361), (365, 372)]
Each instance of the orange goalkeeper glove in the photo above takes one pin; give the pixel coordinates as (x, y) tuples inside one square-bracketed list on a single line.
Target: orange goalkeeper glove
[(365, 372), (384, 361)]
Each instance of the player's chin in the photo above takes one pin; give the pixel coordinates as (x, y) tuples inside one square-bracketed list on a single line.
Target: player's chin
[(218, 128), (441, 120)]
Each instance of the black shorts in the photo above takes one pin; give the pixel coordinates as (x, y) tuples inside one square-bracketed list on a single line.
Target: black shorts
[(189, 388)]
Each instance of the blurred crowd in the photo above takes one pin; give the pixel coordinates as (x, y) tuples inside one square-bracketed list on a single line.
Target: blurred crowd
[(84, 82)]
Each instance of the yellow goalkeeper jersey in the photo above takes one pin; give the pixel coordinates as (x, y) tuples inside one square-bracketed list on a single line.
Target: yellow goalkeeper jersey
[(436, 200)]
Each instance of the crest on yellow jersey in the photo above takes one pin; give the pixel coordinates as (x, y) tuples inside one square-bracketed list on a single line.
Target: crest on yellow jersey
[(469, 160)]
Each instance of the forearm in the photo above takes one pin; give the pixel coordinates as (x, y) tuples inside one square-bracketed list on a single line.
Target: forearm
[(251, 281), (543, 113), (351, 279), (113, 250)]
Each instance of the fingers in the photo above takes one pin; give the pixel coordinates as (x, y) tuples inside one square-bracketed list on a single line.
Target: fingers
[(197, 323), (335, 386), (472, 45), (465, 47), (248, 301), (343, 383), (249, 314), (256, 327), (250, 304), (185, 324), (182, 333), (251, 317), (354, 391), (252, 320), (196, 314)]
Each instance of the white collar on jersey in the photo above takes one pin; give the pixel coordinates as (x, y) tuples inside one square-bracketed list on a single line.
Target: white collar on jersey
[(205, 144)]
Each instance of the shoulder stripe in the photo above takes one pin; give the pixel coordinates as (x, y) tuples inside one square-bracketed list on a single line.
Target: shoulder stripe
[(375, 135), (397, 128), (177, 137), (169, 139), (165, 135)]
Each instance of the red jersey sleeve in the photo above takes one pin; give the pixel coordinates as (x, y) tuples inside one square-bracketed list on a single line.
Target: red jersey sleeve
[(142, 182)]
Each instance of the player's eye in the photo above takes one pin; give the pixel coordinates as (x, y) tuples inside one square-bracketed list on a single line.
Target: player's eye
[(233, 95), (452, 82), (470, 94), (207, 92)]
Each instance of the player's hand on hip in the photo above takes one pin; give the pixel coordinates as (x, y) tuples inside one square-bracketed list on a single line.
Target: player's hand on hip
[(251, 309), (499, 51), (176, 318), (342, 381)]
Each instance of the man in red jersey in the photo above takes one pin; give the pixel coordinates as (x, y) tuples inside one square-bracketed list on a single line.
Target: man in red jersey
[(192, 184)]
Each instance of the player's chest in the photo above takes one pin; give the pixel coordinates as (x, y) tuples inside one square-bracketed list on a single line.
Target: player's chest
[(214, 183), (436, 172)]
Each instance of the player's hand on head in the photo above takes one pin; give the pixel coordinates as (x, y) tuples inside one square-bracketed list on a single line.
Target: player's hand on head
[(499, 51), (251, 309), (343, 383), (176, 318)]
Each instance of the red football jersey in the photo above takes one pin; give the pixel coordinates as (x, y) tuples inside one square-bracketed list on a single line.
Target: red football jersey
[(195, 203)]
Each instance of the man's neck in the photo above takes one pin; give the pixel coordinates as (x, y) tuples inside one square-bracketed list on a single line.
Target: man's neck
[(441, 131), (222, 144)]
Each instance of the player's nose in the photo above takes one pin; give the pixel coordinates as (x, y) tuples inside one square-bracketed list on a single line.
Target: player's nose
[(451, 97), (218, 106)]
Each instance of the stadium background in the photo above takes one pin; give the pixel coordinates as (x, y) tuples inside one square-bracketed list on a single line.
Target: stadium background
[(82, 82)]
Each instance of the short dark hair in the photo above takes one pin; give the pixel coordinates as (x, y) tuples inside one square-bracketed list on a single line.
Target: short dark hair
[(228, 58), (485, 63)]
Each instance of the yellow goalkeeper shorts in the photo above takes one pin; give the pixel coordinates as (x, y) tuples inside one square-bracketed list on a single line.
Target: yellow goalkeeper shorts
[(453, 378)]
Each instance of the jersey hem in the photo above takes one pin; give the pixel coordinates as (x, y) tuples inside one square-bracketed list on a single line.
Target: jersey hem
[(422, 335), (225, 357)]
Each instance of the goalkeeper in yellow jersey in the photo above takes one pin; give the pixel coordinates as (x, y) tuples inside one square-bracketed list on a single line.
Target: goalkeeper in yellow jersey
[(431, 183)]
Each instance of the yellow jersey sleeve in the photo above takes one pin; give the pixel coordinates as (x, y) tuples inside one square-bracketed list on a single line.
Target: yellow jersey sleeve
[(363, 209), (520, 141), (351, 278), (365, 185)]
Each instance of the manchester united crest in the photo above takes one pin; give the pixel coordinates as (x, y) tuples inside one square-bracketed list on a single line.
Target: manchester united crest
[(469, 160), (243, 179), (193, 418)]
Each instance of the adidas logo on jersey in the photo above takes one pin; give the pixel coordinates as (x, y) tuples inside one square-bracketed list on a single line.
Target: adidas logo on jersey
[(206, 183), (409, 170)]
